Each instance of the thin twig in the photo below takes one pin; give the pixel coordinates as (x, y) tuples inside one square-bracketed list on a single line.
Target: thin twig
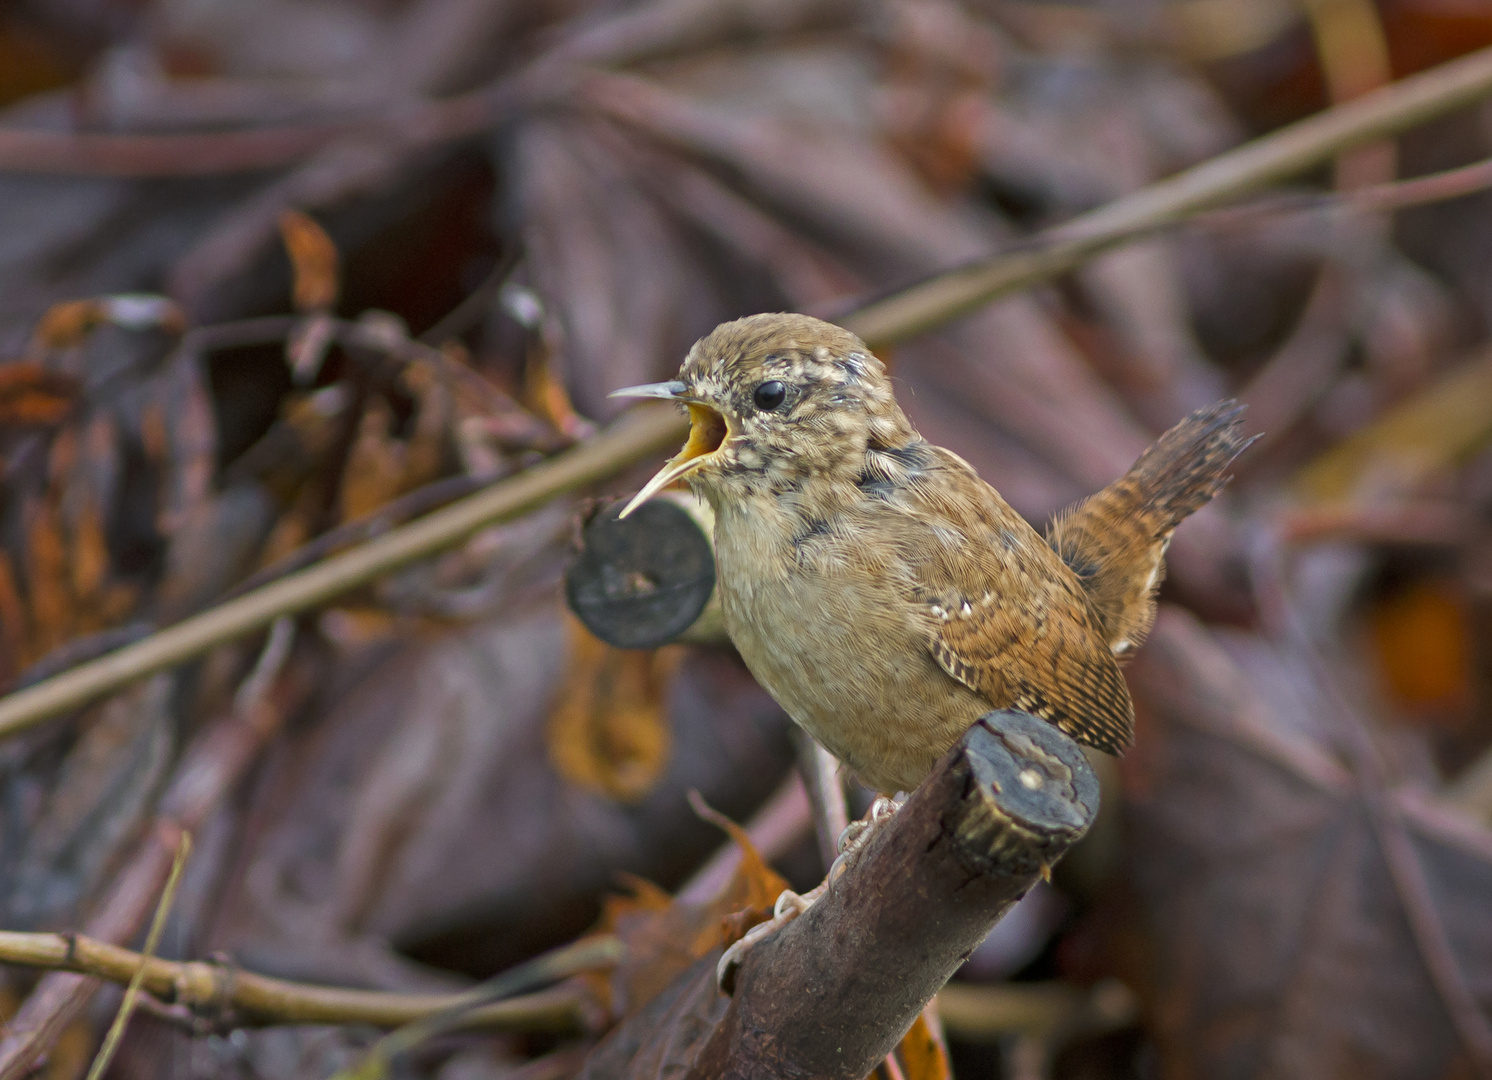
[(1265, 160), (637, 435), (645, 432), (584, 955), (211, 767), (217, 990), (1375, 198), (416, 123), (152, 939)]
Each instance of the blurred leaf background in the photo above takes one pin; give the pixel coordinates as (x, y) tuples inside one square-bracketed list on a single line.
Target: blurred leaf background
[(276, 277)]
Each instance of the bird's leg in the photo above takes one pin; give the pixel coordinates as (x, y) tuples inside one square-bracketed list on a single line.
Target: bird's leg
[(790, 904), (820, 772), (857, 833)]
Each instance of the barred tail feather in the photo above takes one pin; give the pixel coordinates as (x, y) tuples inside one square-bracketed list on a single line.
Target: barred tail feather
[(1115, 541)]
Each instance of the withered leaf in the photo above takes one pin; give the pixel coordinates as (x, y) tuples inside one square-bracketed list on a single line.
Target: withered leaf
[(431, 766), (32, 396), (52, 613), (608, 731), (313, 260), (665, 936), (67, 323), (922, 1054), (13, 623), (1282, 942)]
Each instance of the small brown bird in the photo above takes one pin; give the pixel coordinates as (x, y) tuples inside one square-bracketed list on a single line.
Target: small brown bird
[(883, 593)]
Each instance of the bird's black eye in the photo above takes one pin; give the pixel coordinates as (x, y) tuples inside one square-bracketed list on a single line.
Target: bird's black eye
[(769, 395)]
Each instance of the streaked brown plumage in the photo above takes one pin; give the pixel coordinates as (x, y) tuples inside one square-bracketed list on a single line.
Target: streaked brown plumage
[(884, 593)]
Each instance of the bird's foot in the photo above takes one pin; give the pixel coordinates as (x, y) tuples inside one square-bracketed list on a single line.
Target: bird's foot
[(858, 833), (790, 904), (788, 907)]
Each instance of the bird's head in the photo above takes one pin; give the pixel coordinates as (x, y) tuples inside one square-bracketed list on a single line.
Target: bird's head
[(775, 400)]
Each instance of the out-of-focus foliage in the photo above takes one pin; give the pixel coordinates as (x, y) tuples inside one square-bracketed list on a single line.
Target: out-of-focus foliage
[(222, 358)]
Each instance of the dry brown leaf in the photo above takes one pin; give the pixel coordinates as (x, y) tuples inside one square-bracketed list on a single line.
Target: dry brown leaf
[(313, 262), (608, 731), (376, 464), (13, 626), (90, 556), (30, 395), (431, 767), (546, 396), (47, 578), (1422, 638), (922, 1054), (664, 937), (66, 324), (1287, 937)]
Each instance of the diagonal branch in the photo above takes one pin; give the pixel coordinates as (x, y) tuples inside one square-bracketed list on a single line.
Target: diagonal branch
[(638, 434), (833, 992), (644, 432), (1273, 157)]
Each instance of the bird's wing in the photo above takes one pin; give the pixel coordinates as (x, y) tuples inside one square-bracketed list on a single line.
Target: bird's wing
[(1004, 616)]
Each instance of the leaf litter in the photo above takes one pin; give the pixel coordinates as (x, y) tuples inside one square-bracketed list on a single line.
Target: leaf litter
[(216, 373)]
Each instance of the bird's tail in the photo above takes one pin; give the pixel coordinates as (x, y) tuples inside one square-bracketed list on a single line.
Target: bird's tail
[(1115, 541)]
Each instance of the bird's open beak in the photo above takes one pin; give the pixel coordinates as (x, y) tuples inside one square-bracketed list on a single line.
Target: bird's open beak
[(707, 431)]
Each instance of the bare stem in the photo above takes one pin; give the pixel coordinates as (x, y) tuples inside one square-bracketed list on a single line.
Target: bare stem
[(1271, 158), (638, 434), (645, 432), (213, 988)]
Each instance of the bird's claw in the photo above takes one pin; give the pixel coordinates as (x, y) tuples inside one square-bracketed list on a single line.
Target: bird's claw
[(788, 907), (790, 904), (857, 833)]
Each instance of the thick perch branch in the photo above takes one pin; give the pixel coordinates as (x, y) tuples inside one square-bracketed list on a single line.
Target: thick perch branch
[(831, 994)]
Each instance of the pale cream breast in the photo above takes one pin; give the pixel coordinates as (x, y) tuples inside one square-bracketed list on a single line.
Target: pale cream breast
[(831, 637)]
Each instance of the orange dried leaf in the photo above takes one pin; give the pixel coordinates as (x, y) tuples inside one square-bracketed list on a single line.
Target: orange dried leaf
[(313, 262), (90, 555), (47, 581), (922, 1054), (375, 465), (609, 731), (1423, 642), (664, 936), (68, 323), (32, 396), (755, 886), (12, 622), (546, 395)]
